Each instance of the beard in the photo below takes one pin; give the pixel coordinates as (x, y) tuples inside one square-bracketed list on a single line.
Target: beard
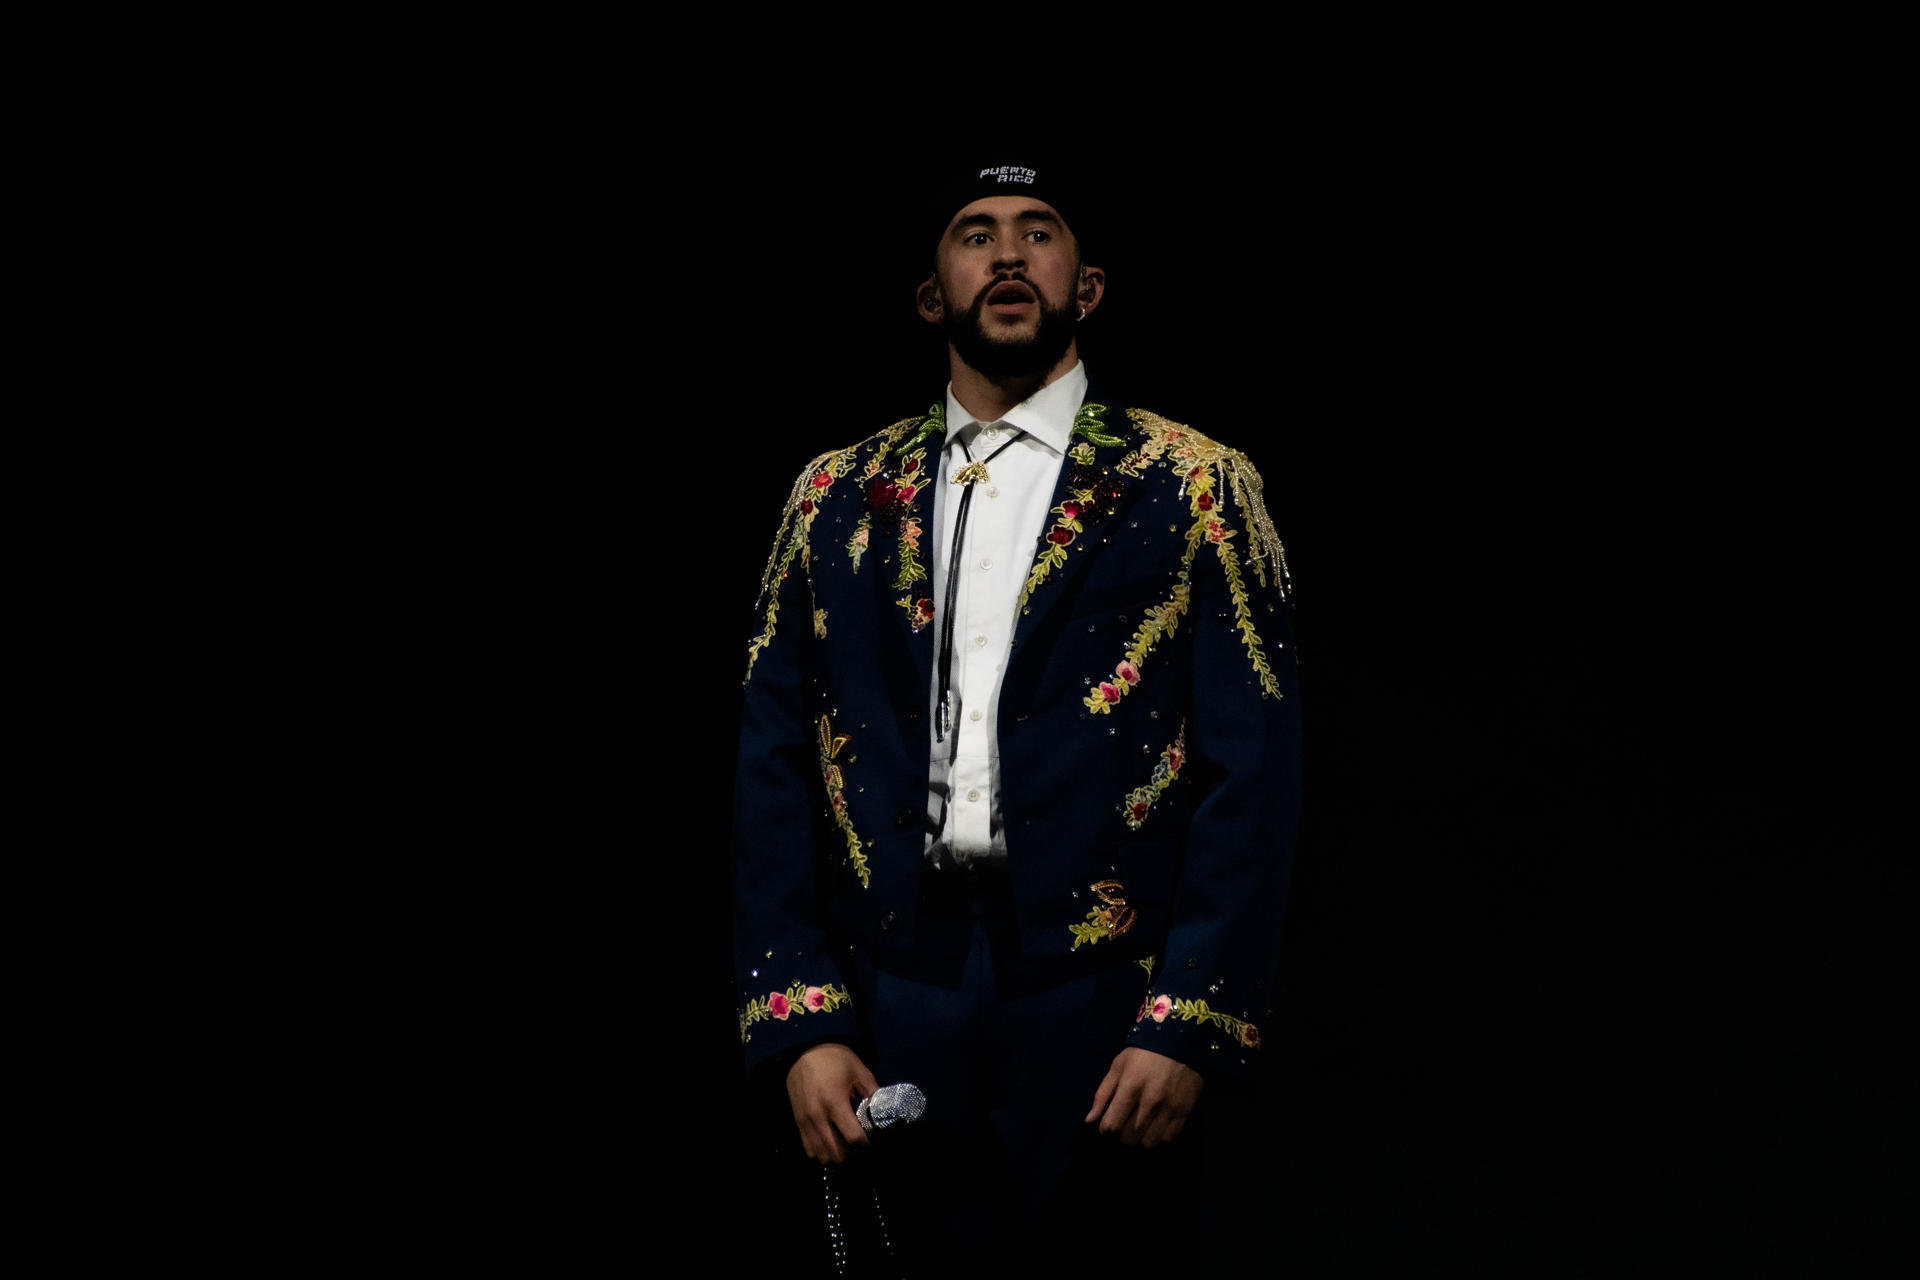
[(1009, 357)]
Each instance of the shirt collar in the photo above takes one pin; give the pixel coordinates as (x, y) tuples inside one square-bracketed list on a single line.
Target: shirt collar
[(1046, 415)]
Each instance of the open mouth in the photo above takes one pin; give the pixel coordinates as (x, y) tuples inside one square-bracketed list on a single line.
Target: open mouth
[(1010, 296)]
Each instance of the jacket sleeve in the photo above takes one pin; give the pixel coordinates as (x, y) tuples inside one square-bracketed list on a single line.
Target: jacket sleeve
[(1213, 985), (792, 993)]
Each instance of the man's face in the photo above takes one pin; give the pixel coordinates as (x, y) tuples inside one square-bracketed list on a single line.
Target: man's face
[(1007, 275)]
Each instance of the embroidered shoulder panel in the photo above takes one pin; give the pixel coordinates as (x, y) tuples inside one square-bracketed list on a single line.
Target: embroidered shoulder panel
[(792, 541), (1201, 462), (1175, 444), (778, 1006)]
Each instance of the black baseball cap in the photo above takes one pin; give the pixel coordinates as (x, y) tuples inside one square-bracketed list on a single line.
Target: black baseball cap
[(1010, 174)]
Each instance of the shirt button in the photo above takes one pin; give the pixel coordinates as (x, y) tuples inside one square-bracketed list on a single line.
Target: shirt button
[(975, 715), (889, 920), (993, 491), (979, 640), (986, 562), (973, 795)]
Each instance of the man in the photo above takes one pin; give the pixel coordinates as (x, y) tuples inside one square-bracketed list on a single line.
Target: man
[(1019, 761)]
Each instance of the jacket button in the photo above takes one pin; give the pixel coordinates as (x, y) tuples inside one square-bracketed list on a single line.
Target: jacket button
[(913, 717), (904, 819), (888, 920)]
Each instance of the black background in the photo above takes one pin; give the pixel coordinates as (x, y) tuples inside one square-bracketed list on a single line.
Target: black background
[(1586, 962)]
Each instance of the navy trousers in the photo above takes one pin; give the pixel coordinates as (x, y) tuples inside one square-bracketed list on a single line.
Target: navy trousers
[(1001, 1171)]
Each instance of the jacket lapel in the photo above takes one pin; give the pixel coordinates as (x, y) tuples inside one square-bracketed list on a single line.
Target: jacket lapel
[(1089, 499), (902, 533)]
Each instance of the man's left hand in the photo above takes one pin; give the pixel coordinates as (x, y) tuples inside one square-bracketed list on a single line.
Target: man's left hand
[(1146, 1098)]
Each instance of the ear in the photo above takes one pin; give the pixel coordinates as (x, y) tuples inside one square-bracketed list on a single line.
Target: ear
[(926, 300), (1093, 287)]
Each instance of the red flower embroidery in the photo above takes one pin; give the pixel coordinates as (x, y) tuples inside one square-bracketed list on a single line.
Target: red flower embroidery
[(839, 802), (1071, 510), (1196, 473), (1143, 1009), (1215, 531), (1249, 1035), (1205, 501), (1140, 811), (777, 1005), (906, 492), (1174, 758), (1108, 692), (882, 492), (816, 1000), (913, 464), (806, 506), (822, 480), (1128, 672), (924, 606), (1061, 537)]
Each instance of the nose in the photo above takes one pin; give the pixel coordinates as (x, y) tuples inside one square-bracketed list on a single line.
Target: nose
[(1009, 258)]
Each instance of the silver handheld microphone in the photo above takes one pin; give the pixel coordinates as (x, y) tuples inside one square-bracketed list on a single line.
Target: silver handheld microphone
[(890, 1105)]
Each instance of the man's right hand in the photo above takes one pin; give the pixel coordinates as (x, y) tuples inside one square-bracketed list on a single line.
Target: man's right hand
[(822, 1084)]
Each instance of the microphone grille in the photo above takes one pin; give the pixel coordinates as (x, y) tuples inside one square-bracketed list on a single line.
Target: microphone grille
[(892, 1104)]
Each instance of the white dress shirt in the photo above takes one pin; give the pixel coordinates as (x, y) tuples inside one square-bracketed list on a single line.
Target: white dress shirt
[(1009, 511)]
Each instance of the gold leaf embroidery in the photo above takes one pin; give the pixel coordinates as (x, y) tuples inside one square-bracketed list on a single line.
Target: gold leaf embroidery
[(1160, 1008), (830, 744), (778, 1006), (1140, 800), (1110, 919)]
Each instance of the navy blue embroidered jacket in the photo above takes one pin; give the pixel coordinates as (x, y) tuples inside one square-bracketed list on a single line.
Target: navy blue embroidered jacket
[(1155, 607)]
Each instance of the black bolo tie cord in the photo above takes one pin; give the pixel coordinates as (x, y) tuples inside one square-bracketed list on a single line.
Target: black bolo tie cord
[(942, 712)]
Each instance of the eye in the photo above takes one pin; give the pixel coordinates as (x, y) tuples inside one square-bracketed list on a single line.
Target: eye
[(977, 238), (1038, 236)]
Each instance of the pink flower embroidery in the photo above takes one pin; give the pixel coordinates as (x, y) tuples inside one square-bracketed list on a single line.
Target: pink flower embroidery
[(1128, 672), (777, 1005), (1143, 1009), (1174, 758), (816, 999), (1071, 510), (1108, 692), (906, 492), (860, 536), (1162, 1006), (1215, 531), (839, 802)]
